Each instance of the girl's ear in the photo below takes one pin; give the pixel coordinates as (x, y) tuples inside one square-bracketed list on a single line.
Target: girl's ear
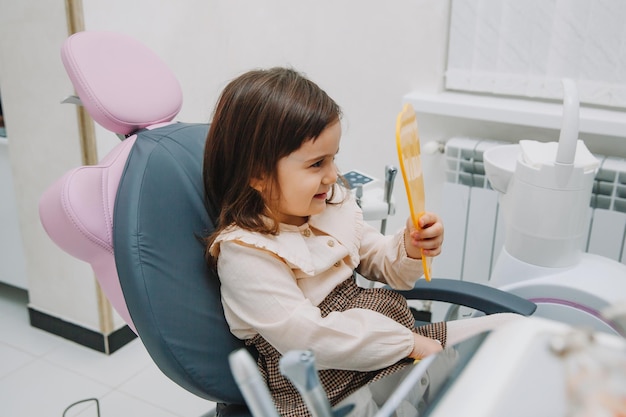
[(258, 184)]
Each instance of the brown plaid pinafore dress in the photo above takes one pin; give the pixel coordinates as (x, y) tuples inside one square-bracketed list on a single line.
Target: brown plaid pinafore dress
[(338, 384)]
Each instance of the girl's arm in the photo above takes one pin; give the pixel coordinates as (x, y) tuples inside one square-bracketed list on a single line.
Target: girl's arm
[(396, 259), (260, 294)]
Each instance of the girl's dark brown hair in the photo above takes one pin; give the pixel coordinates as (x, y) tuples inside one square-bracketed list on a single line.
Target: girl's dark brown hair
[(261, 117)]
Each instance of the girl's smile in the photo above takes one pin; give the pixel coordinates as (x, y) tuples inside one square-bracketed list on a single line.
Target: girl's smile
[(306, 171)]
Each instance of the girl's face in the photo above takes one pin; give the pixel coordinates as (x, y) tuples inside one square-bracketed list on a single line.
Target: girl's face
[(306, 176)]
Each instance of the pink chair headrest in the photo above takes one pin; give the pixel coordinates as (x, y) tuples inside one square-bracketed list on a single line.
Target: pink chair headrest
[(123, 85)]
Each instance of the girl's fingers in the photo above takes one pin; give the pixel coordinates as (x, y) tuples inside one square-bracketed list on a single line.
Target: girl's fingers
[(426, 220), (431, 232)]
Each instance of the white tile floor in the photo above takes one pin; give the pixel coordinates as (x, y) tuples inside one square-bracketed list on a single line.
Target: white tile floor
[(42, 374)]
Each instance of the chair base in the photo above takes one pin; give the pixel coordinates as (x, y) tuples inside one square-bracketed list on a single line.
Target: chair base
[(87, 337)]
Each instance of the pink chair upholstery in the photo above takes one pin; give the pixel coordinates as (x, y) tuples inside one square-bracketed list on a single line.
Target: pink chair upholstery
[(76, 211)]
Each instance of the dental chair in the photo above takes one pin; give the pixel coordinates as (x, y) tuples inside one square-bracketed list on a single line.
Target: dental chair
[(138, 217)]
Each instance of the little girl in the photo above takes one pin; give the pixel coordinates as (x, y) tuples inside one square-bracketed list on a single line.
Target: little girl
[(289, 238)]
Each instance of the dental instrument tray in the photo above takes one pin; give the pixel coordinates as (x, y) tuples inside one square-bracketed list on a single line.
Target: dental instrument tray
[(356, 178)]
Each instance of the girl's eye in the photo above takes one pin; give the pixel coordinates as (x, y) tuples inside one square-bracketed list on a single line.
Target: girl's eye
[(317, 164)]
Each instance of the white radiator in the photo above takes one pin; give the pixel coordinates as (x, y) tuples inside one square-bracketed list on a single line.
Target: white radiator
[(474, 226)]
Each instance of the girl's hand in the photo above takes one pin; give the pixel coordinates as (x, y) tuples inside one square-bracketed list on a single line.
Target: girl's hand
[(424, 346), (427, 239)]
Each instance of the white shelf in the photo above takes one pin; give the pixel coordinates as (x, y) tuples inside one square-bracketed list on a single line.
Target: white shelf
[(516, 112)]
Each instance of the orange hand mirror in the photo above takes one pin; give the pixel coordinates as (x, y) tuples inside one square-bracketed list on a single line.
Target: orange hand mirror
[(408, 143)]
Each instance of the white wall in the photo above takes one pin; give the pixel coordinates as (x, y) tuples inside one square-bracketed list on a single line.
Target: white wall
[(43, 144), (365, 54)]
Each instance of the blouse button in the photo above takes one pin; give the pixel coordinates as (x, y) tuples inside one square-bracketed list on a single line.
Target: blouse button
[(306, 232), (331, 243), (337, 264)]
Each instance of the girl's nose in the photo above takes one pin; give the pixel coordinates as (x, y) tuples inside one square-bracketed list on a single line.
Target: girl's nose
[(331, 175)]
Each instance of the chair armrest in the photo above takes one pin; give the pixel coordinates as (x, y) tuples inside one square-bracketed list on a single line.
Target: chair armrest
[(481, 297)]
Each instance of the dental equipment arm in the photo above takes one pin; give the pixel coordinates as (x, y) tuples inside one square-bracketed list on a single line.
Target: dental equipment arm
[(390, 177), (251, 384), (299, 367), (566, 151), (487, 299)]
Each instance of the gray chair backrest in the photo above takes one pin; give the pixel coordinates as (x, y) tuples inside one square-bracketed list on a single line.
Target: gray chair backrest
[(171, 294)]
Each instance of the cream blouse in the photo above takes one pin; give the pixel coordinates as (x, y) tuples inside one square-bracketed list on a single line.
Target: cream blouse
[(271, 285)]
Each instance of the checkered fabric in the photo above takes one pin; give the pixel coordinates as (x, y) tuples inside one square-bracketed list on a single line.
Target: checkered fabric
[(338, 384)]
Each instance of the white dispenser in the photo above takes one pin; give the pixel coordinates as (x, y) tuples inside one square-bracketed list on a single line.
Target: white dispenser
[(546, 191)]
